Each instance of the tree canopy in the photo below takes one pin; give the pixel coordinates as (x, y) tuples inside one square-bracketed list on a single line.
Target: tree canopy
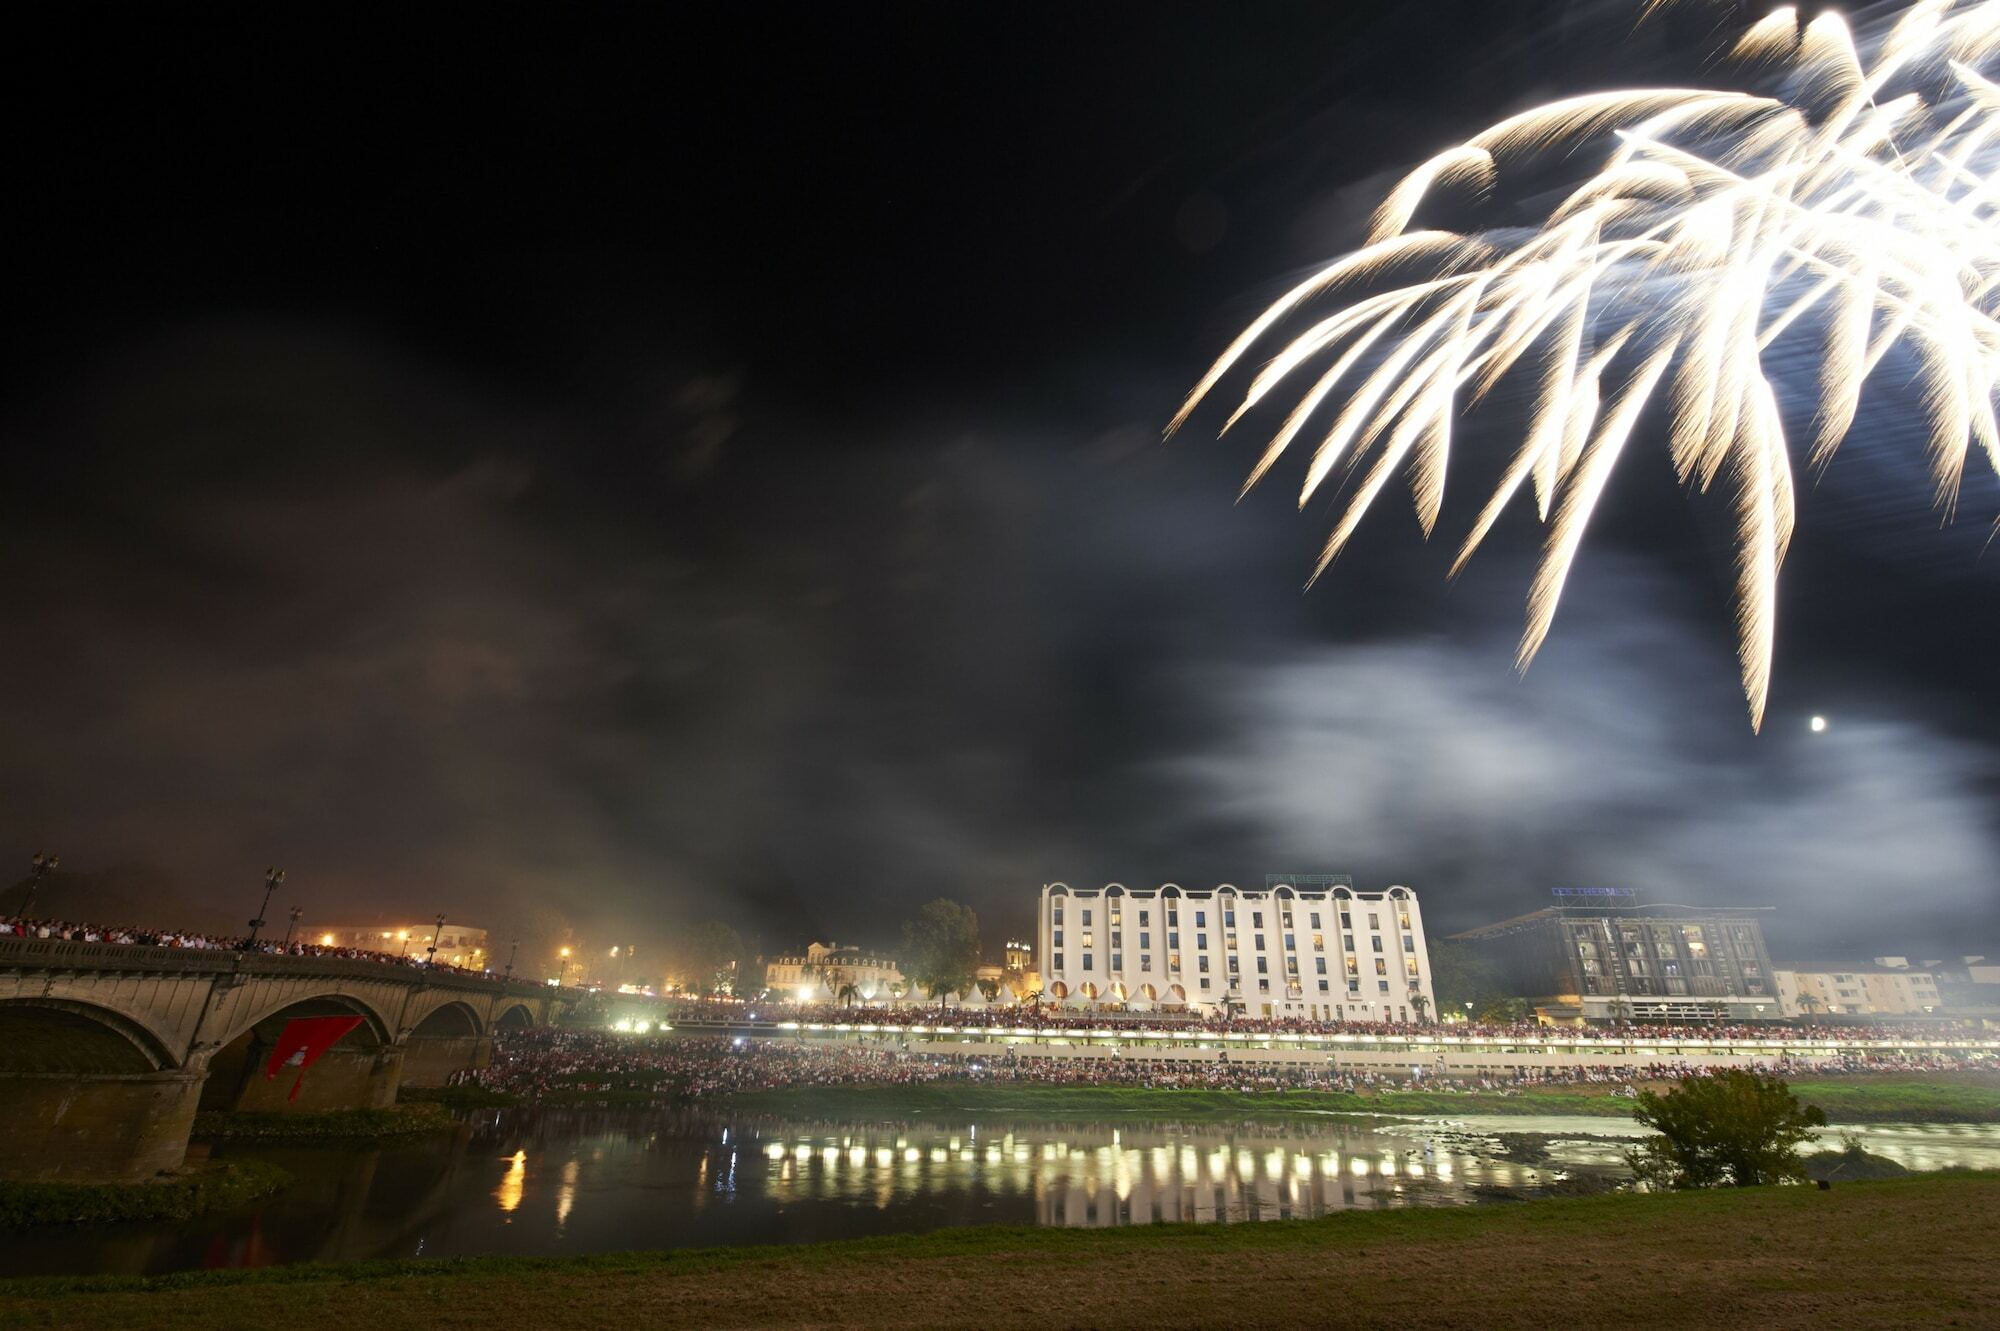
[(714, 960), (1732, 1128), (941, 948)]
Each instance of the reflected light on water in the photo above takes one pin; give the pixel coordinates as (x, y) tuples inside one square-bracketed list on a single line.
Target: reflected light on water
[(508, 1194)]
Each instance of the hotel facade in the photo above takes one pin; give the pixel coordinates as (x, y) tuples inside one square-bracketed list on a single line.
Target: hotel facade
[(1307, 946)]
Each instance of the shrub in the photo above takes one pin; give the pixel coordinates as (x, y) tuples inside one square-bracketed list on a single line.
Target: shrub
[(215, 1186), (331, 1125), (1735, 1127)]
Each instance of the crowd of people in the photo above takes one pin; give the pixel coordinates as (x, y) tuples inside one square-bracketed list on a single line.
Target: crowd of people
[(538, 1062), (1049, 1016), (134, 936)]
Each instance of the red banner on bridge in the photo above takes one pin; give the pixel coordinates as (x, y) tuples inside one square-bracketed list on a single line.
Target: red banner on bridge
[(301, 1043)]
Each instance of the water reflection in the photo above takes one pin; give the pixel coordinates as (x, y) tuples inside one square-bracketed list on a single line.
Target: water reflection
[(579, 1180)]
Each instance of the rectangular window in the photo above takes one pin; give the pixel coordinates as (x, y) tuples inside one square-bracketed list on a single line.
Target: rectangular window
[(1086, 938), (1117, 962), (1347, 941), (1260, 942), (1322, 986), (1229, 919), (1204, 979), (1201, 940), (1145, 962), (1173, 961), (1257, 919), (1086, 961), (1403, 918), (1232, 965), (1378, 942), (1118, 938), (1173, 938), (1263, 966), (1315, 919), (1381, 966), (1145, 939), (1374, 920), (1058, 942), (1145, 918), (1319, 942), (1353, 968), (1409, 943), (1201, 919), (1057, 919), (1290, 941), (1201, 964), (1382, 985), (1086, 917), (1058, 957), (1319, 965), (1292, 965), (1346, 920)]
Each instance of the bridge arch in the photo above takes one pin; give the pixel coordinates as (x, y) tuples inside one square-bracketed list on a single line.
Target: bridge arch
[(450, 1017), (515, 1016), (48, 1034), (236, 1065)]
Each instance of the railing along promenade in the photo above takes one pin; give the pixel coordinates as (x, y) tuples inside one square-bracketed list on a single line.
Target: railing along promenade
[(1171, 1042)]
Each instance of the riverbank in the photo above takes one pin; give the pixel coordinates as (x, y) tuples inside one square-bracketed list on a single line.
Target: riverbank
[(1927, 1099), (1901, 1252)]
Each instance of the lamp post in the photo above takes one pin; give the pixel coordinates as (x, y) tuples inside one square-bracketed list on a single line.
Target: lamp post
[(272, 878), (296, 913), (404, 934), (512, 952), (40, 868), (431, 952)]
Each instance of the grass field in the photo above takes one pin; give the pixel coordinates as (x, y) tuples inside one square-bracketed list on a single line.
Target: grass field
[(1941, 1099), (1905, 1252)]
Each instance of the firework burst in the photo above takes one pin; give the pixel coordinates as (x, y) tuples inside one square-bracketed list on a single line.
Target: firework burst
[(1854, 210)]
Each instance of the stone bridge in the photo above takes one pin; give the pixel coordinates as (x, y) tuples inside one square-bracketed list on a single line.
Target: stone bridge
[(107, 1051)]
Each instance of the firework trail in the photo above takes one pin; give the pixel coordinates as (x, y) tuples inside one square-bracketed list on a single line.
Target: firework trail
[(1854, 210)]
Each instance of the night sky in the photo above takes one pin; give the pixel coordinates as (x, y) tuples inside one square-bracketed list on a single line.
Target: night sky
[(703, 460)]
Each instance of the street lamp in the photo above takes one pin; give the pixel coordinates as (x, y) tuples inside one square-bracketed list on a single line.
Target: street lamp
[(296, 913), (431, 952), (404, 934), (40, 868), (512, 952), (272, 878)]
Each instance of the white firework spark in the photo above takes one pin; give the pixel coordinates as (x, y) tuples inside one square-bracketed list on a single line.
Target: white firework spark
[(1863, 197)]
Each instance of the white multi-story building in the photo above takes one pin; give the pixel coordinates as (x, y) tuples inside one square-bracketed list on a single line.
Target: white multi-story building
[(1858, 991), (1303, 946)]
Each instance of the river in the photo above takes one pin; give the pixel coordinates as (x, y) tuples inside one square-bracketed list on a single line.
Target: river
[(554, 1181)]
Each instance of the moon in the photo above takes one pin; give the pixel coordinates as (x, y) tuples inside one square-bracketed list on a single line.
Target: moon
[(1818, 724)]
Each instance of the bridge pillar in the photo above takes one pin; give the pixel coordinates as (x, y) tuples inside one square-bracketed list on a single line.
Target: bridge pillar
[(429, 1060), (79, 1127)]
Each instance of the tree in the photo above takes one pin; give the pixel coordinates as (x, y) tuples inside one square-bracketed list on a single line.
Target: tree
[(989, 989), (941, 948), (848, 994), (1460, 975), (1732, 1128), (714, 960), (1420, 1005)]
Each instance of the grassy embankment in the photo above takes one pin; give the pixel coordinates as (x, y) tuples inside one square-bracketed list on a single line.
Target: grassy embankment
[(1906, 1252), (1946, 1098)]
